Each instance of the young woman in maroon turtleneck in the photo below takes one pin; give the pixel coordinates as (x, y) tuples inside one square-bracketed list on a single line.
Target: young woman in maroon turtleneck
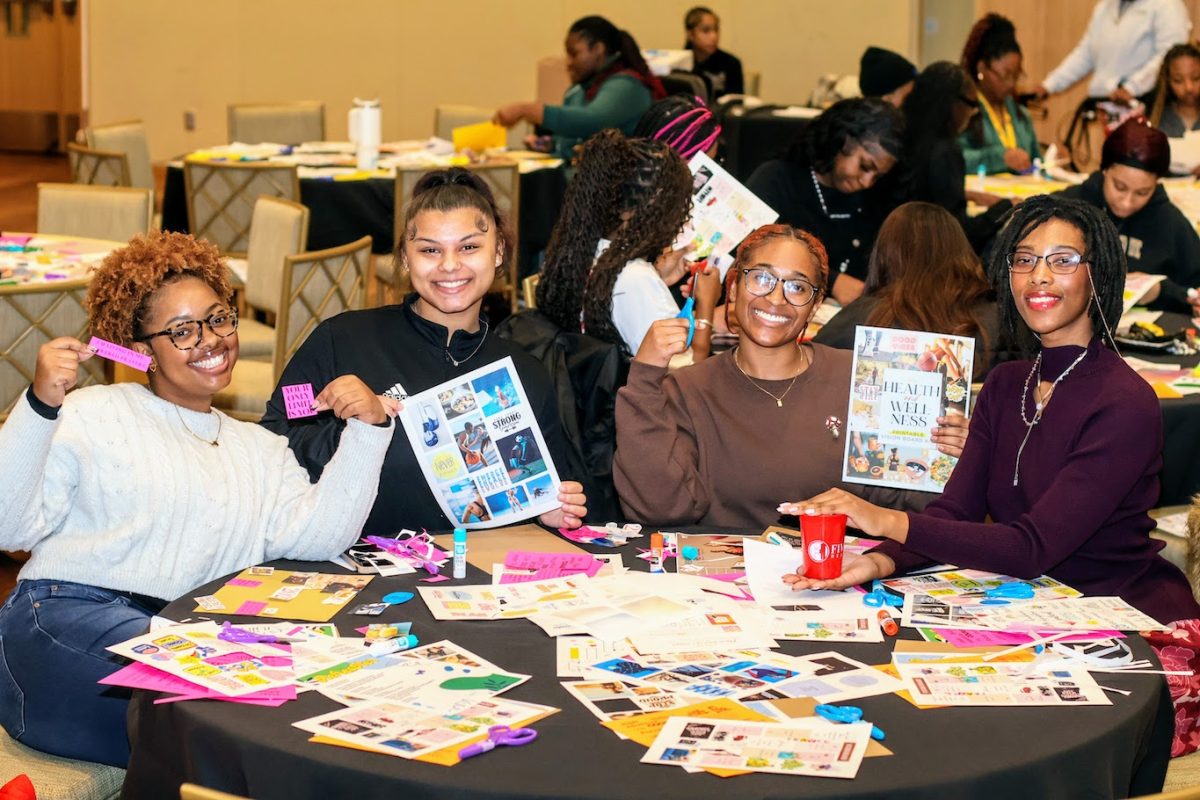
[(1064, 451)]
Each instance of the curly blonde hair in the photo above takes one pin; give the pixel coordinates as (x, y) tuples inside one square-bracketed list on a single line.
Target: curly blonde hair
[(118, 297)]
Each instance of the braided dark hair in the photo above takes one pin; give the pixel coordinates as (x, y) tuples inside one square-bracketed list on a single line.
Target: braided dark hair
[(683, 122), (1103, 252), (991, 38), (857, 120), (449, 190), (636, 191)]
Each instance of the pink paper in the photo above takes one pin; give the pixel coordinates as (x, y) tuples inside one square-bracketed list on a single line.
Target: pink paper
[(546, 566), (251, 607), (242, 582), (434, 579), (14, 241), (122, 355), (972, 638), (144, 676), (298, 400)]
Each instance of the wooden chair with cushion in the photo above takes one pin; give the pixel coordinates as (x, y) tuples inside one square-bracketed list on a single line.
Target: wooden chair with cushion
[(316, 286), (30, 316), (448, 117), (221, 198), (115, 213), (56, 778), (278, 228), (504, 179), (529, 290), (97, 167), (282, 123), (128, 138)]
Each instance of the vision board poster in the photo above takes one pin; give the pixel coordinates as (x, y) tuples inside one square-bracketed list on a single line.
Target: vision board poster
[(480, 448), (902, 381), (723, 211)]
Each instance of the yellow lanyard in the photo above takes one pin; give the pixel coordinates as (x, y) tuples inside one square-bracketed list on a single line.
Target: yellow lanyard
[(1003, 127)]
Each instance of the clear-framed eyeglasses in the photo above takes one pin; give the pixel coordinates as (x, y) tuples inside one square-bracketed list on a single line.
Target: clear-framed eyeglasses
[(760, 283), (189, 333)]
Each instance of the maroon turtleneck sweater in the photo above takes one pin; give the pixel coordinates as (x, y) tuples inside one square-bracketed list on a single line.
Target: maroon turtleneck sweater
[(1088, 475)]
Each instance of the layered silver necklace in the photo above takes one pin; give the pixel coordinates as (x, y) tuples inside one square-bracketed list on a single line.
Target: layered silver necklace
[(1039, 405)]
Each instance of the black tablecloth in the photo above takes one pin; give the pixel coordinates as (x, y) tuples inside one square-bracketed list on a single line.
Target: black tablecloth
[(755, 136), (1181, 426), (344, 211), (1095, 751)]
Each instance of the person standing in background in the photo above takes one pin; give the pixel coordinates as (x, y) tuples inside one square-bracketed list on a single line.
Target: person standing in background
[(722, 71), (1001, 139), (1122, 48)]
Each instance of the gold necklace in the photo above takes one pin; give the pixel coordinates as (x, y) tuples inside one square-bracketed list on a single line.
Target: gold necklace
[(215, 441), (778, 399)]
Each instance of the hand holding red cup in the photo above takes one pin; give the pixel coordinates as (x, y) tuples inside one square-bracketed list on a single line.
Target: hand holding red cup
[(824, 538)]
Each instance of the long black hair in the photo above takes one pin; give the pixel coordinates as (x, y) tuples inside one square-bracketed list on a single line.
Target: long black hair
[(991, 38), (635, 190), (617, 42), (1103, 252), (857, 120)]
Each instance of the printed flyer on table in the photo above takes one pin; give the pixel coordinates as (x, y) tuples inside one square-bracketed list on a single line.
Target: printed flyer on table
[(480, 447), (902, 381)]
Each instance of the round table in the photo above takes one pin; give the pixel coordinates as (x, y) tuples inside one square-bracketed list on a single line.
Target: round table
[(1095, 751)]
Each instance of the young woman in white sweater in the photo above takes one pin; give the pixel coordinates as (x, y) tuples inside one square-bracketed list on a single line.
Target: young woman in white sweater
[(128, 496)]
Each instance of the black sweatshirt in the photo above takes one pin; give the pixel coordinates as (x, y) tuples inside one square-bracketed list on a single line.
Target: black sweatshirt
[(395, 348), (1158, 240)]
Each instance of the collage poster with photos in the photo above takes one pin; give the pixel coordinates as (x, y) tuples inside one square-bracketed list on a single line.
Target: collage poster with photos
[(901, 382), (480, 448)]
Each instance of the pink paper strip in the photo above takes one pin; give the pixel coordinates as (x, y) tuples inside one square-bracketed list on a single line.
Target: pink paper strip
[(242, 582), (972, 638), (251, 607), (298, 400), (434, 579), (547, 566), (122, 355)]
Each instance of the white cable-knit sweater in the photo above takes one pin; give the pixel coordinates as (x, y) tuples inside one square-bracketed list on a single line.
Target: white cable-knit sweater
[(117, 493)]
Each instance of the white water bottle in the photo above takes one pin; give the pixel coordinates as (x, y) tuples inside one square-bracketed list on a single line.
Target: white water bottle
[(365, 126)]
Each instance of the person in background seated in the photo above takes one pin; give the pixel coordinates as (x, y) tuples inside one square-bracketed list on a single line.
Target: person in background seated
[(683, 123), (610, 258), (1155, 235), (1000, 138), (1075, 428), (886, 75), (722, 71), (821, 185), (129, 496), (1176, 109), (715, 443), (611, 88), (453, 243), (923, 276), (1122, 48), (936, 112)]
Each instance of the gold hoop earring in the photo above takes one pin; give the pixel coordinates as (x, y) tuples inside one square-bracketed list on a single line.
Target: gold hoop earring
[(153, 367)]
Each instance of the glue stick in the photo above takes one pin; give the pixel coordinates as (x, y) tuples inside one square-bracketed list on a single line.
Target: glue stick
[(656, 552), (460, 552), (888, 622)]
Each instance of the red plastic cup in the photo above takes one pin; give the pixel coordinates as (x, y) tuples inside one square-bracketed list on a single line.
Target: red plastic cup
[(824, 536)]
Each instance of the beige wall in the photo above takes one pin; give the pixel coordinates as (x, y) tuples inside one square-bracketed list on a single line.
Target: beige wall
[(156, 60)]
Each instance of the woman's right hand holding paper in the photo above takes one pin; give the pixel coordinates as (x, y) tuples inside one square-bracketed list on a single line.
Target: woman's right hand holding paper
[(57, 369)]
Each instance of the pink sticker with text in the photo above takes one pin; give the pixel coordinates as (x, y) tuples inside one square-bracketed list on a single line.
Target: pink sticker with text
[(122, 355), (298, 400), (251, 607), (435, 579), (242, 582)]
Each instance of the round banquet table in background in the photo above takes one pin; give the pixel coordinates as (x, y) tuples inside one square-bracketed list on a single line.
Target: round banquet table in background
[(1093, 751), (344, 211), (751, 136)]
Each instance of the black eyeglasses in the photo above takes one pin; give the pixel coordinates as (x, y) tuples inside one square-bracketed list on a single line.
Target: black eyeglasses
[(760, 283), (1060, 262), (188, 334)]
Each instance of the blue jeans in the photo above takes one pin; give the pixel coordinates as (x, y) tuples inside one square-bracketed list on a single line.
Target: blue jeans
[(52, 640)]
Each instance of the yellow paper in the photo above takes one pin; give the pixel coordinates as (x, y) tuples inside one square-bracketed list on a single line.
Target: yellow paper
[(479, 137), (1164, 391), (644, 728), (311, 603)]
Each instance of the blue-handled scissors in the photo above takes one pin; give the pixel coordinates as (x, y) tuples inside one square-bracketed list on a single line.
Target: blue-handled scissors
[(1002, 594), (846, 715), (499, 735), (689, 313), (878, 598)]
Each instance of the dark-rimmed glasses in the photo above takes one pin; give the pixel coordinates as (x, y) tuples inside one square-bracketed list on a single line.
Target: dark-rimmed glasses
[(188, 334), (1060, 262), (760, 283)]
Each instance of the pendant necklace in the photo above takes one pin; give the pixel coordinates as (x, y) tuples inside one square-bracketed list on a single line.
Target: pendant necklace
[(215, 441), (777, 398), (821, 197), (457, 361), (1039, 405)]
